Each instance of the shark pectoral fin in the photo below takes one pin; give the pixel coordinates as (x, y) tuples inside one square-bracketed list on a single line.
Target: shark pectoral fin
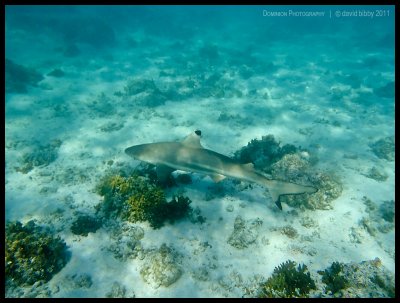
[(278, 203), (275, 196), (217, 178), (163, 172)]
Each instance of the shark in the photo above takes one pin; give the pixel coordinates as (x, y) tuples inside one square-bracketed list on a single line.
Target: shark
[(189, 155)]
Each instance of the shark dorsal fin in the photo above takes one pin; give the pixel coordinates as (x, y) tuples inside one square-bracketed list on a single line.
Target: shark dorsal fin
[(193, 140)]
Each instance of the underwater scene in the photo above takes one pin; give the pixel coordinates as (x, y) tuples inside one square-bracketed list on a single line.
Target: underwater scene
[(199, 151)]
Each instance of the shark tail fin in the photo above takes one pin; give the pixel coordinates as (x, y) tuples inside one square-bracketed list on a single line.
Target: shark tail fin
[(280, 188)]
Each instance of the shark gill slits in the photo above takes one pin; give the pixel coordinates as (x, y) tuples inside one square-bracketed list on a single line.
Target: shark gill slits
[(198, 132)]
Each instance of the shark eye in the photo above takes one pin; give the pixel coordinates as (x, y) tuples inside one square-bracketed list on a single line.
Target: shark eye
[(197, 132)]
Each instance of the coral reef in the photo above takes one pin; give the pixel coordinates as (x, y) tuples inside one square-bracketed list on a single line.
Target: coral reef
[(135, 199), (101, 106), (289, 163), (263, 153), (111, 127), (84, 224), (177, 208), (367, 279), (289, 232), (162, 267), (384, 148), (39, 289), (40, 156), (136, 86), (329, 189), (118, 291), (78, 281), (308, 222), (126, 241), (19, 77), (377, 175), (72, 175), (290, 167), (32, 254), (288, 282), (387, 211), (145, 91), (380, 218), (244, 232), (334, 279)]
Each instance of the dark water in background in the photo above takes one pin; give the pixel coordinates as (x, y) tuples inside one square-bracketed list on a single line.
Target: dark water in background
[(246, 27), (210, 38), (339, 59)]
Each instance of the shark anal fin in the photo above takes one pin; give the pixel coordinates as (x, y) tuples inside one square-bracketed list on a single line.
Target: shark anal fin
[(163, 172), (217, 178)]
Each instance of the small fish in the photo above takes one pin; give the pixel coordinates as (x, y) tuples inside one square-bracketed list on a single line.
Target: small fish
[(190, 155)]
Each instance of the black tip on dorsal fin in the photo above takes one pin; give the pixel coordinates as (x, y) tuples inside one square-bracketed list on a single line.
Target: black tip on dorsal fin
[(198, 132)]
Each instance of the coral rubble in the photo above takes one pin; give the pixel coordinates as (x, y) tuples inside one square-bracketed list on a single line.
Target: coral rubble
[(162, 267), (245, 232)]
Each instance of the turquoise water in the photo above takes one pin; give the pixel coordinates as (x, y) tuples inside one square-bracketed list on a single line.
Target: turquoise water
[(83, 83)]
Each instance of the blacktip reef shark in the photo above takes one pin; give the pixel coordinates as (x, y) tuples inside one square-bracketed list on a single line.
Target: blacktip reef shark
[(190, 155)]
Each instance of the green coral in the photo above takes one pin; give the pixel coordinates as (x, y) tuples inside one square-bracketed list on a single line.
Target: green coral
[(32, 254), (334, 279), (288, 282), (135, 199), (147, 204)]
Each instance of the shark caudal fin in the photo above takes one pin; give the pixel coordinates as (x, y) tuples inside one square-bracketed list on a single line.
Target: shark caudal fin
[(280, 188)]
